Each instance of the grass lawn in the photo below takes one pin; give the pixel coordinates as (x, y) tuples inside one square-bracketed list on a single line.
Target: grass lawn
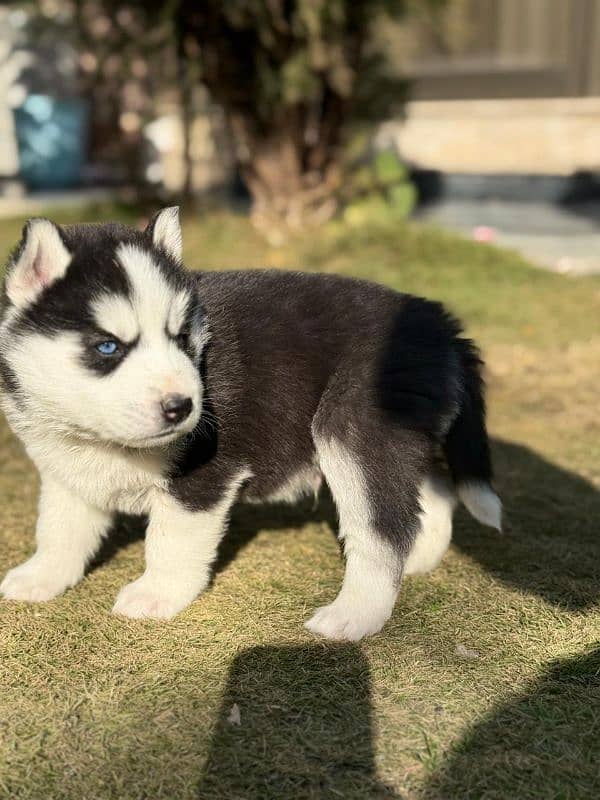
[(93, 706)]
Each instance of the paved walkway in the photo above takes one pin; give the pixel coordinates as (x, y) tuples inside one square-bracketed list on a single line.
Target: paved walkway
[(26, 205), (563, 239)]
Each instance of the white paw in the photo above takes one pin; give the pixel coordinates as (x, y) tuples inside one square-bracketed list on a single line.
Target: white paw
[(36, 581), (347, 621), (147, 598)]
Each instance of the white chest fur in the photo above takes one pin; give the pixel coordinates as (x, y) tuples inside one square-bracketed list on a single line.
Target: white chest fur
[(105, 476)]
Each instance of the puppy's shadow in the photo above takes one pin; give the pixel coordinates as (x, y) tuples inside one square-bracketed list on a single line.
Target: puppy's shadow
[(124, 531), (246, 522), (551, 546)]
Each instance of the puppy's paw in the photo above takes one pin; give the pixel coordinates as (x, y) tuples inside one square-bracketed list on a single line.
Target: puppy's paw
[(347, 621), (146, 598), (36, 581)]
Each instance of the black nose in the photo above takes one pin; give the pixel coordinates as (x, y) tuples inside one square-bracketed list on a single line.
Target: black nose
[(176, 407)]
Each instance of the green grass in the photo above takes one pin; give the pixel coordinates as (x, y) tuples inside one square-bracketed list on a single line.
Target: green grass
[(99, 707)]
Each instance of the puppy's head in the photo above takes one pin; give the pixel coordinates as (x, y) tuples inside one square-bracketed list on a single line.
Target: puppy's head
[(102, 331)]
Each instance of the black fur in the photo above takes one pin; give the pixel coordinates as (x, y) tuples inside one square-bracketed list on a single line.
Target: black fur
[(8, 380), (466, 445), (293, 356)]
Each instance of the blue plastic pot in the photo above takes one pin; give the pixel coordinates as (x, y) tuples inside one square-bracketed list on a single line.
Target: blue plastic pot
[(52, 141)]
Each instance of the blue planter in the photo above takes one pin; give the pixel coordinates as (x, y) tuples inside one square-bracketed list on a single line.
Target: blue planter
[(52, 141)]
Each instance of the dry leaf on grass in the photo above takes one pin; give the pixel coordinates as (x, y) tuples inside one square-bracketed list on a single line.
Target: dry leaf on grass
[(464, 652), (235, 717)]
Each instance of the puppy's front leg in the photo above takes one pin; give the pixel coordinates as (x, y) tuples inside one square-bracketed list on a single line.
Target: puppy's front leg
[(180, 548), (68, 533)]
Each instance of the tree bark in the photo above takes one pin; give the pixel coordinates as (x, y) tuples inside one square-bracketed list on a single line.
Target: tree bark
[(292, 184)]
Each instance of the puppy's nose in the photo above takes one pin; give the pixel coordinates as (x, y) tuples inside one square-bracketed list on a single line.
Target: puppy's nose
[(176, 407)]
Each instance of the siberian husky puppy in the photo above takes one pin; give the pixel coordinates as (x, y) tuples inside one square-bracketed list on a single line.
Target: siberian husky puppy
[(139, 387)]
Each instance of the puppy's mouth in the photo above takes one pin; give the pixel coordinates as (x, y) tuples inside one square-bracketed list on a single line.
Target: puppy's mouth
[(144, 441), (157, 439), (164, 437), (165, 434)]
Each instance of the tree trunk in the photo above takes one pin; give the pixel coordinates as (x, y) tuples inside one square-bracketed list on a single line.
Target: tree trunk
[(286, 194), (292, 174)]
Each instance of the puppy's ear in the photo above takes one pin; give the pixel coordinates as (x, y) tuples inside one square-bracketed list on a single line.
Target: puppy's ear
[(40, 260), (164, 230)]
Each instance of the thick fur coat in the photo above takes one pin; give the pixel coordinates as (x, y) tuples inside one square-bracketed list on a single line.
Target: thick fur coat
[(140, 387)]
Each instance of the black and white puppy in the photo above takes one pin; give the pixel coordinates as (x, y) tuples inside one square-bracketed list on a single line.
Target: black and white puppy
[(139, 387)]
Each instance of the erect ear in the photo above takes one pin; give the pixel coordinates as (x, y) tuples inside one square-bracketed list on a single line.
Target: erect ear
[(165, 231), (41, 259)]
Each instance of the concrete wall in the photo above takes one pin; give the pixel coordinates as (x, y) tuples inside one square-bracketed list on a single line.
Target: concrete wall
[(557, 136)]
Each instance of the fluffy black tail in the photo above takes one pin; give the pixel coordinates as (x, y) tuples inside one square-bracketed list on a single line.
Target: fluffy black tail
[(467, 448)]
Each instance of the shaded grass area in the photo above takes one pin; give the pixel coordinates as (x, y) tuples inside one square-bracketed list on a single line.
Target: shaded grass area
[(542, 742), (94, 706)]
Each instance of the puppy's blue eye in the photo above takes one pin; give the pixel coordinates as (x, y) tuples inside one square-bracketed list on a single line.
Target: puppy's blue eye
[(108, 348)]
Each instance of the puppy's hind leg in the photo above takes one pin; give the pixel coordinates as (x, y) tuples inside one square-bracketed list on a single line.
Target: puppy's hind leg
[(378, 511), (438, 501)]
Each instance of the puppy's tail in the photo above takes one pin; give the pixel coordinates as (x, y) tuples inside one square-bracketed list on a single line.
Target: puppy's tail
[(467, 448)]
